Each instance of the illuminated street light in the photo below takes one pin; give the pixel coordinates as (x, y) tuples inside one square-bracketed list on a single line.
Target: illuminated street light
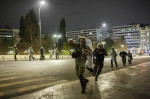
[(41, 3), (122, 45), (57, 37), (103, 43), (103, 25)]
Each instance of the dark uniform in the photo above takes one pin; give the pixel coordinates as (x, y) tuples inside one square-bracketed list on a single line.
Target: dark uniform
[(129, 58), (99, 61), (123, 54), (15, 53), (42, 57), (57, 54)]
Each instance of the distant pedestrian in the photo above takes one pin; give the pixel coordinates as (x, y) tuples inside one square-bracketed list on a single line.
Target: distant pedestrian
[(42, 57), (30, 52), (129, 57), (113, 56), (99, 52), (51, 54), (123, 54), (57, 54), (15, 53)]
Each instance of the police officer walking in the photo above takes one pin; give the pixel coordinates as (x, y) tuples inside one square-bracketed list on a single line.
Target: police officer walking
[(80, 59), (129, 57), (123, 54), (99, 52), (15, 53), (42, 57), (57, 54)]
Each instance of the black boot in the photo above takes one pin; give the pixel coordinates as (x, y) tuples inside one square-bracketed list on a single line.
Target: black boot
[(96, 78), (91, 70), (82, 82), (86, 81), (111, 63), (95, 71), (116, 64)]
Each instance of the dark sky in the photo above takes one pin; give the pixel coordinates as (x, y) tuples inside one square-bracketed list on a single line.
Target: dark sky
[(78, 13)]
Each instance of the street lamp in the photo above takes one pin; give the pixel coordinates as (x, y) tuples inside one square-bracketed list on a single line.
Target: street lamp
[(41, 3), (103, 25), (103, 43), (57, 37), (122, 46)]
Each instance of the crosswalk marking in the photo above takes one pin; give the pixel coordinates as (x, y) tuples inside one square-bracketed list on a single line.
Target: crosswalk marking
[(24, 81), (10, 74), (14, 82), (28, 88), (21, 76)]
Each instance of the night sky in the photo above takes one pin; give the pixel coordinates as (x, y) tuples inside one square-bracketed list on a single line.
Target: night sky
[(78, 13)]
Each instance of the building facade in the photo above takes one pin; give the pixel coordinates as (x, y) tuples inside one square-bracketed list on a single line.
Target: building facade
[(94, 34), (145, 39), (131, 34), (10, 34)]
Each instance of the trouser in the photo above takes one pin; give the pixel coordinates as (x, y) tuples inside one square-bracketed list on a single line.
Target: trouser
[(79, 71), (124, 60), (57, 57), (31, 56), (15, 57), (42, 57), (115, 63), (98, 66), (129, 61)]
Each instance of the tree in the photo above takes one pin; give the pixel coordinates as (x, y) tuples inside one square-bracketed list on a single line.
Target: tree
[(62, 32), (66, 48), (22, 29), (108, 44), (119, 42), (47, 43), (5, 45), (29, 32)]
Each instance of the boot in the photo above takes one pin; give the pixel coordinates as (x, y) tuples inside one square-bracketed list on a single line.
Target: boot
[(86, 81), (96, 78), (111, 63), (95, 71), (116, 64), (82, 82), (90, 70)]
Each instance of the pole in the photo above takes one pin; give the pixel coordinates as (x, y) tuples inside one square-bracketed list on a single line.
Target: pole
[(101, 33), (57, 42), (40, 26)]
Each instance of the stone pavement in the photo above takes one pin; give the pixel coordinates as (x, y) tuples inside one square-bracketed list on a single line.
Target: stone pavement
[(127, 83)]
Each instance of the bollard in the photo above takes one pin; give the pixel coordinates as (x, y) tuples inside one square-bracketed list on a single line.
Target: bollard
[(25, 57), (3, 58), (62, 57)]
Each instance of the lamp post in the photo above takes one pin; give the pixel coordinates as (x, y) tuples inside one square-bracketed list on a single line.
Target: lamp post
[(103, 25), (57, 37), (122, 46), (41, 3), (103, 43)]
